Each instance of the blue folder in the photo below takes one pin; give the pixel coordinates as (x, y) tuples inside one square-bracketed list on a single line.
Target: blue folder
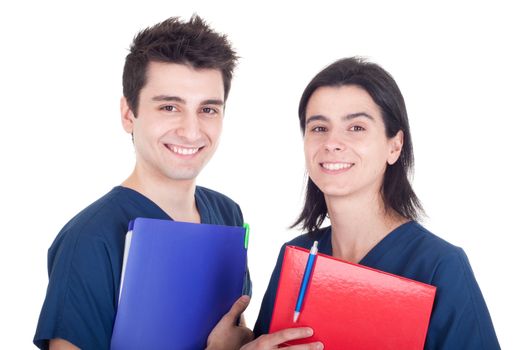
[(178, 281)]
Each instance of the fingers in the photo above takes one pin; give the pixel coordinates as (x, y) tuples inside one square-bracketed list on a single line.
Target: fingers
[(310, 346), (284, 335), (273, 340), (237, 309), (228, 334), (246, 335)]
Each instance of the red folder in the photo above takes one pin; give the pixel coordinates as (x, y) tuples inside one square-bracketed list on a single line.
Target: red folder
[(351, 306)]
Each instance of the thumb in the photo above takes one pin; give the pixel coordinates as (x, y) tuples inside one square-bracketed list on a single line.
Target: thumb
[(238, 308)]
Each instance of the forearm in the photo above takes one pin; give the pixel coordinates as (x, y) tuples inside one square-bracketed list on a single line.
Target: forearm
[(61, 344)]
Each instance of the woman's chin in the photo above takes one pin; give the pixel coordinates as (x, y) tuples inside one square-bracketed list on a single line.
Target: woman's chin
[(335, 191)]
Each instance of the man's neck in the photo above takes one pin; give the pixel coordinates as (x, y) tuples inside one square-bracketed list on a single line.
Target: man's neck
[(174, 197)]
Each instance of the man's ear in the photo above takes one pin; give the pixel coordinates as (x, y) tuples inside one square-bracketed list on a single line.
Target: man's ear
[(127, 116), (396, 146)]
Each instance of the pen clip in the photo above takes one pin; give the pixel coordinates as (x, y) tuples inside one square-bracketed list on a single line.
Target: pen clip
[(246, 239)]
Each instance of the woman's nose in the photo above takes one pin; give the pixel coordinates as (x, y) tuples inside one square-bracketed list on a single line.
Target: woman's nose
[(334, 142)]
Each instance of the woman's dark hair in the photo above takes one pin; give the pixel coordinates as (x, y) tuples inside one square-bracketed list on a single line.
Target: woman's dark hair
[(396, 189)]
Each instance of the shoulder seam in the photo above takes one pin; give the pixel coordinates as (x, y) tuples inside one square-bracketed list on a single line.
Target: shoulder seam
[(457, 254), (473, 304), (69, 267)]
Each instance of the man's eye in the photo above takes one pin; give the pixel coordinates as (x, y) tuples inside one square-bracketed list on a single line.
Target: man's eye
[(209, 110), (318, 129), (168, 108)]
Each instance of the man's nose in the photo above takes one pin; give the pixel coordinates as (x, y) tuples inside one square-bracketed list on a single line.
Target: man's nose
[(189, 127)]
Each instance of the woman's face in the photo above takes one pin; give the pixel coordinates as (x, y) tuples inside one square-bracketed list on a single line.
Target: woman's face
[(345, 142)]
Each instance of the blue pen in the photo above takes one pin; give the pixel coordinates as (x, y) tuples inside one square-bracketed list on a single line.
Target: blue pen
[(305, 280)]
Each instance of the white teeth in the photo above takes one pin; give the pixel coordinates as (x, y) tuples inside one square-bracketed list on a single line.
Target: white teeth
[(336, 166), (184, 151)]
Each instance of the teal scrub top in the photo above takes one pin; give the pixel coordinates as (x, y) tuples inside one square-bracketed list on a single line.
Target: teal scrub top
[(85, 261), (460, 318)]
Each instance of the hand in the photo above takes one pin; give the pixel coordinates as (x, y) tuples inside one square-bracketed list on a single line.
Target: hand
[(271, 341), (228, 334)]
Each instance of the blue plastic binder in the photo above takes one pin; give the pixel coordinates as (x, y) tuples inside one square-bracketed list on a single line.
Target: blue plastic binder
[(178, 280)]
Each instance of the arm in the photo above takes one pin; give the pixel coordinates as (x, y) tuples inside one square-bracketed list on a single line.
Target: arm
[(79, 304), (61, 344), (460, 318)]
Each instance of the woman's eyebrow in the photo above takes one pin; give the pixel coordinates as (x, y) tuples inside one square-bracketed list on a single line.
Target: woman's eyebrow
[(356, 115), (319, 117)]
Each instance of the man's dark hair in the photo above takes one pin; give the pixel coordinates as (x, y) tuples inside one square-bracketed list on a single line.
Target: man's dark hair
[(396, 190), (192, 43)]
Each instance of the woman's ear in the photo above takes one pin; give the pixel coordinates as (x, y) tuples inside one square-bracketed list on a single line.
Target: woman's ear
[(396, 146), (127, 116)]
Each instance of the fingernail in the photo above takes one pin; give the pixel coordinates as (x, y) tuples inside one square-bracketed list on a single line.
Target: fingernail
[(245, 298), (320, 346), (309, 332)]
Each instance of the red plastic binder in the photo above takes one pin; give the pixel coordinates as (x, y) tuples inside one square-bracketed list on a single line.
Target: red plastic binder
[(351, 306)]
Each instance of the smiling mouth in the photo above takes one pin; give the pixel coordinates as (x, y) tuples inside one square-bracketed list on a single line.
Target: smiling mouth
[(336, 166), (184, 151)]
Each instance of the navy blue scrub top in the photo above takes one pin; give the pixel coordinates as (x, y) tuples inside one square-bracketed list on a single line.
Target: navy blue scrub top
[(460, 318), (85, 261)]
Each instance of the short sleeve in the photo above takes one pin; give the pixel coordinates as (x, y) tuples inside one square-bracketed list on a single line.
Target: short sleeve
[(79, 305), (266, 309), (460, 318)]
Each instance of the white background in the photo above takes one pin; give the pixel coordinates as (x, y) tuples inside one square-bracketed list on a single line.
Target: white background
[(461, 67)]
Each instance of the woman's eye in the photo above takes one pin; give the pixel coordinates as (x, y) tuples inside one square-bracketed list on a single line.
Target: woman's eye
[(357, 128)]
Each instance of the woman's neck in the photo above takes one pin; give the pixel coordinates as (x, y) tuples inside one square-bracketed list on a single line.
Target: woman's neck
[(359, 224)]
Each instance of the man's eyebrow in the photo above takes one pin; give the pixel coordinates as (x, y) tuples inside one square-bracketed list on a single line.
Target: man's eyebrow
[(168, 98), (213, 102)]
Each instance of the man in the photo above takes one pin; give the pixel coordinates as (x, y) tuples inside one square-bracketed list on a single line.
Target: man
[(176, 80)]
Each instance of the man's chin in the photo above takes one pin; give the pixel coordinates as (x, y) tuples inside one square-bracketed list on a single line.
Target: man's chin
[(183, 177), (188, 174)]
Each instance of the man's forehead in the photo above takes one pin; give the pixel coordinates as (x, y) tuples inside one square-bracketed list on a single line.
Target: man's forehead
[(183, 81)]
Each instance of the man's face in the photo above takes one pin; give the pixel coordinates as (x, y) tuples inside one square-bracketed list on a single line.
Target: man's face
[(178, 122)]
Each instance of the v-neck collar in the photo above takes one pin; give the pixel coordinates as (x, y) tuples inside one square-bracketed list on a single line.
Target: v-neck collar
[(141, 199), (377, 252)]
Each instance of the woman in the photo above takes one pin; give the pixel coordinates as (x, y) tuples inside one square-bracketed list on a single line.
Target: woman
[(358, 152)]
